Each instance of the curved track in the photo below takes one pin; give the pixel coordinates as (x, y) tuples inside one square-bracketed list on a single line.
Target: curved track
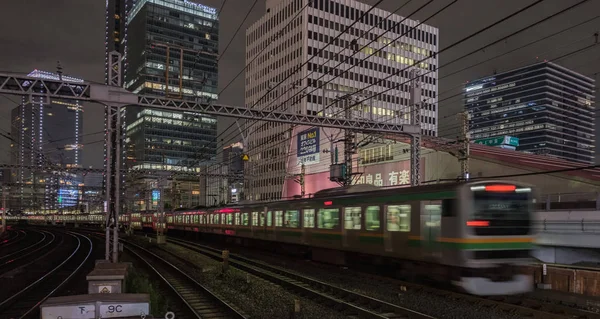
[(47, 276), (21, 256), (200, 300), (14, 238)]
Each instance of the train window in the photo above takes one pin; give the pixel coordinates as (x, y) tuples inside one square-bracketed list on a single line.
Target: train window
[(292, 218), (278, 218), (245, 219), (187, 219), (328, 218), (254, 218), (398, 218), (309, 218), (237, 218), (196, 219), (170, 219), (269, 219), (352, 216), (229, 219), (448, 207), (372, 221), (262, 218)]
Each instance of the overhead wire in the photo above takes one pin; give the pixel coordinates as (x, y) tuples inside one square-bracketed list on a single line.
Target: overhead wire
[(369, 55), (510, 35), (333, 40), (470, 36)]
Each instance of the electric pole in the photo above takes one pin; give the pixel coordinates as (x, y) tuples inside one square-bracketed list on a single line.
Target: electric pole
[(4, 190), (348, 144), (464, 151), (300, 180), (415, 139)]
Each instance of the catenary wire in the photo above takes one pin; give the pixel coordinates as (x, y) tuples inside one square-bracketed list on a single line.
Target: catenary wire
[(478, 50)]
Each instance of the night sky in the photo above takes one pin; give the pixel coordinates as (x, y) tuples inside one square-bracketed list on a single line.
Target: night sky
[(38, 33)]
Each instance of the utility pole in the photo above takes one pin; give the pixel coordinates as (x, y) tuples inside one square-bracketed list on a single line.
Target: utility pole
[(348, 144), (160, 232), (300, 180), (4, 190), (415, 139), (465, 149)]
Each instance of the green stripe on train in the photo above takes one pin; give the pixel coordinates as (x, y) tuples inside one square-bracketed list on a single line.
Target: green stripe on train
[(471, 246), (397, 197)]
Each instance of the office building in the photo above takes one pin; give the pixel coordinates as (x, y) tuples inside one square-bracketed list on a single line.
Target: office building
[(233, 159), (289, 34), (115, 34), (549, 108), (172, 49), (46, 133)]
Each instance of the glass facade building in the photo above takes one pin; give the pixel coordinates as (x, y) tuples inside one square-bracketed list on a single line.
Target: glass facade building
[(548, 107), (46, 133), (169, 140), (171, 51)]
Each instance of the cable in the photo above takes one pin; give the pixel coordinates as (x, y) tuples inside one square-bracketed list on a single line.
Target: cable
[(237, 30), (483, 47), (375, 39), (461, 41), (331, 55), (265, 47), (514, 50), (298, 68)]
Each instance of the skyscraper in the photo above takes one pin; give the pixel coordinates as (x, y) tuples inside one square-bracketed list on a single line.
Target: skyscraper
[(294, 31), (549, 109), (46, 133), (172, 49)]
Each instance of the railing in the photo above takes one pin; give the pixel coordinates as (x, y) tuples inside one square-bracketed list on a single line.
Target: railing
[(569, 201)]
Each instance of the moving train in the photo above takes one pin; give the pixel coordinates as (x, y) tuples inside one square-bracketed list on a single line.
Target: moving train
[(473, 235)]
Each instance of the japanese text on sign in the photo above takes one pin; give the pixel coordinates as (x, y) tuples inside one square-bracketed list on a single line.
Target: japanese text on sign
[(393, 178), (308, 142)]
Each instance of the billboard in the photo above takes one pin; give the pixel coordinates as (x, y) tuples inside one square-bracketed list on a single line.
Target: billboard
[(308, 146)]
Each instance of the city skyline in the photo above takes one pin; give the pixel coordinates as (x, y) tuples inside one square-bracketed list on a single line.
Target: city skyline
[(86, 60)]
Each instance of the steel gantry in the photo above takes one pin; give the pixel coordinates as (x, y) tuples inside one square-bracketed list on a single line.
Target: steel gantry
[(114, 97)]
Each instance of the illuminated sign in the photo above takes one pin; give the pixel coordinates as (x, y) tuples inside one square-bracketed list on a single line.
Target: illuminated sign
[(308, 147)]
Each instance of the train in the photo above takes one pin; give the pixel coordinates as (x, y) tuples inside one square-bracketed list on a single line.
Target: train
[(472, 235)]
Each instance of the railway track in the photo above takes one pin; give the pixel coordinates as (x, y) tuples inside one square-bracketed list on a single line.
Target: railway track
[(352, 304), (521, 305), (12, 239), (202, 302), (50, 274), (15, 259)]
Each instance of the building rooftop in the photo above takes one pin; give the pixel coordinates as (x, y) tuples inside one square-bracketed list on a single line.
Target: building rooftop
[(53, 76)]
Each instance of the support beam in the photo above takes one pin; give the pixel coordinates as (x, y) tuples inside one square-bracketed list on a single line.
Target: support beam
[(115, 95), (415, 143)]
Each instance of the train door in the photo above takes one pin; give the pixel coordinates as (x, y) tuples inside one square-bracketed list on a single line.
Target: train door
[(431, 222), (397, 225), (308, 223), (351, 226)]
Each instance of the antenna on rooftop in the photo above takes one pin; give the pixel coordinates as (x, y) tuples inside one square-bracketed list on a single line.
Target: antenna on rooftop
[(59, 70)]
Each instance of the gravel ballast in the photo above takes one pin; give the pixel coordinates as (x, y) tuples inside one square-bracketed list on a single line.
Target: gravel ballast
[(252, 295)]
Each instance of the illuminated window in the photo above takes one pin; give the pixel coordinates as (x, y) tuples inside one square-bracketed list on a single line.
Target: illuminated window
[(269, 219), (352, 217), (207, 36), (372, 221), (398, 218), (328, 218), (292, 218), (309, 218), (278, 218)]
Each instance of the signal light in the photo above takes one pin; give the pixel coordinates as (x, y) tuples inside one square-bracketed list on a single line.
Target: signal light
[(478, 223), (500, 188), (328, 203)]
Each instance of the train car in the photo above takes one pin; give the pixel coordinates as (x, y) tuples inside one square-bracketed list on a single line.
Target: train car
[(472, 234)]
